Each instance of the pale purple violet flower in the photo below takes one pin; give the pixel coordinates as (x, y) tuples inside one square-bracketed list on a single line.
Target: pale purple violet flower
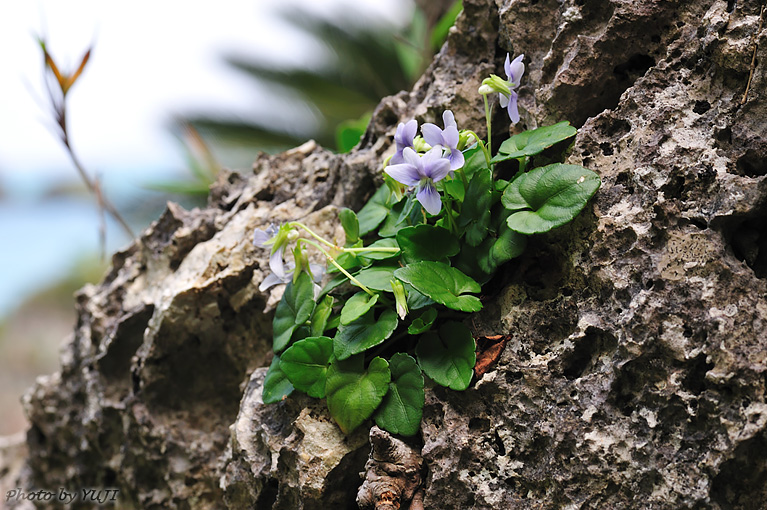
[(272, 279), (447, 138), (260, 237), (422, 171), (403, 138), (514, 71), (264, 238)]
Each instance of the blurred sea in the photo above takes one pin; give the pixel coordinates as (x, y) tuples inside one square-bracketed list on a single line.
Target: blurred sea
[(47, 226)]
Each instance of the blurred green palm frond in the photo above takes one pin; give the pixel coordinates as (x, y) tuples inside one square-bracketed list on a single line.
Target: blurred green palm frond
[(367, 63)]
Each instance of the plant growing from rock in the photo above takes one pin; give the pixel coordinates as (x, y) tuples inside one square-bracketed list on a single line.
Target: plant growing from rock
[(390, 313)]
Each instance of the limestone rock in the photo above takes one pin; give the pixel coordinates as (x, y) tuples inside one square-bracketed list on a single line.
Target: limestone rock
[(635, 373)]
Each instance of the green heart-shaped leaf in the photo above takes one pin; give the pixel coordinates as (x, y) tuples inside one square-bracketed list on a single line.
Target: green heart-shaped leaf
[(529, 143), (454, 188), (416, 300), (350, 224), (305, 363), (276, 384), (376, 277), (426, 242), (357, 306), (402, 407), (364, 333), (294, 309), (548, 197), (448, 357), (374, 212), (423, 322), (474, 159), (353, 393), (320, 316), (475, 214), (508, 245), (442, 283)]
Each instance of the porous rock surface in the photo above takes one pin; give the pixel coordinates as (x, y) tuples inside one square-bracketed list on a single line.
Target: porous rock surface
[(636, 372)]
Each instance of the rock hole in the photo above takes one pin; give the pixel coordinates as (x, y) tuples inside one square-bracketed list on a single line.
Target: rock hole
[(635, 380), (266, 194), (749, 244), (723, 135), (481, 424), (731, 5), (751, 164), (268, 495), (701, 107), (742, 481), (341, 478), (700, 223), (387, 115), (607, 149), (500, 448), (586, 352), (674, 188), (110, 477), (636, 66), (624, 179), (128, 336), (695, 380)]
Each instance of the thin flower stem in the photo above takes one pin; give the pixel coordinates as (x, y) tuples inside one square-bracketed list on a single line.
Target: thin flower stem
[(463, 178), (338, 266), (390, 249), (481, 146), (313, 234), (489, 134), (449, 212)]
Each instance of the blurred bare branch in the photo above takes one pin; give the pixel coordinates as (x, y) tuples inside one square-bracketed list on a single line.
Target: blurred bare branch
[(58, 84)]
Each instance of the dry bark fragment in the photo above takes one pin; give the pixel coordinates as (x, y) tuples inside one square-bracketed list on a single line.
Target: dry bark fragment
[(393, 475)]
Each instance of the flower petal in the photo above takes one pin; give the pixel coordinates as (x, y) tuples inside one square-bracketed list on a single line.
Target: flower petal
[(429, 198), (318, 271), (516, 69), (411, 127), (260, 237), (430, 157), (456, 159), (504, 100), (397, 158), (507, 67), (270, 281), (405, 173), (450, 137), (412, 158), (432, 134), (276, 263), (512, 108), (448, 119), (435, 166), (405, 134)]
